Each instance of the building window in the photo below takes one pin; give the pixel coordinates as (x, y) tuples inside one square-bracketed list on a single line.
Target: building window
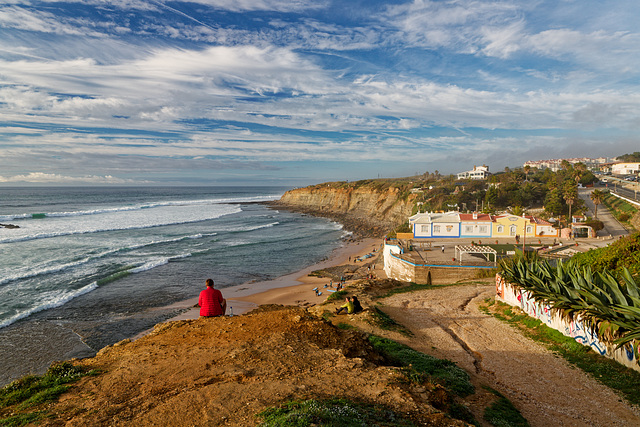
[(436, 228), (424, 228), (529, 229), (483, 229), (501, 229), (468, 228)]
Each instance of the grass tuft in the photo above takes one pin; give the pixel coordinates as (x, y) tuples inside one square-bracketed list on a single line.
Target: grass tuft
[(421, 366), (333, 412), (382, 320), (33, 391), (502, 413), (337, 296)]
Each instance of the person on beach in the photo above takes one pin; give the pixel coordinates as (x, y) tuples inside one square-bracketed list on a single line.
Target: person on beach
[(347, 307), (211, 302)]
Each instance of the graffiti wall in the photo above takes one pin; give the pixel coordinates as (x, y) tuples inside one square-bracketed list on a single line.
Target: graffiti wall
[(515, 296)]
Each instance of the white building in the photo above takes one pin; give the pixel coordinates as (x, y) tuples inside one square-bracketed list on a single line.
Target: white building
[(478, 172), (556, 164), (625, 168)]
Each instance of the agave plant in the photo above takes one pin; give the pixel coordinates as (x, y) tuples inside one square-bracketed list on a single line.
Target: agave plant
[(608, 306)]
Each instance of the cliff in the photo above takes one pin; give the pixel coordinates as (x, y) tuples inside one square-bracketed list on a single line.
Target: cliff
[(226, 370), (370, 209)]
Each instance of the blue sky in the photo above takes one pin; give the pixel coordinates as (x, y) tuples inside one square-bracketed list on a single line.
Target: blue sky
[(295, 92)]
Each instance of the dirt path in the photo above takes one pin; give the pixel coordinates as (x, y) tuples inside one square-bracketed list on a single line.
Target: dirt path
[(548, 391)]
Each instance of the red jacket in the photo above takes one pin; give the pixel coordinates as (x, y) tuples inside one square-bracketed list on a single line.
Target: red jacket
[(210, 302)]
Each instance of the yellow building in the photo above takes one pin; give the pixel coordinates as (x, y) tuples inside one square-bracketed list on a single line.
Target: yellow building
[(508, 225)]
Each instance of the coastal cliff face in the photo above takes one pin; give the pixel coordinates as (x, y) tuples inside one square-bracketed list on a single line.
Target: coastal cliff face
[(370, 210)]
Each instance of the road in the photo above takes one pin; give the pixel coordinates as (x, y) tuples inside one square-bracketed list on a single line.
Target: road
[(446, 322), (611, 225)]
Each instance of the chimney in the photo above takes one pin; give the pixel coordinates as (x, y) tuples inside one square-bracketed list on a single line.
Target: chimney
[(475, 215)]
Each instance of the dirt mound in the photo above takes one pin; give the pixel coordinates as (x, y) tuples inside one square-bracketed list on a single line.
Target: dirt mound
[(223, 371)]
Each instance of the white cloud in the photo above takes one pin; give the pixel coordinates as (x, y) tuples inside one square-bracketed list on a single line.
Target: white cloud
[(456, 25), (40, 21), (47, 178), (270, 5), (230, 5), (502, 41), (617, 51)]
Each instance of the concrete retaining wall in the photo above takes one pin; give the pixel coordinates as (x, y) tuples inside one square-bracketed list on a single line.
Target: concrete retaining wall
[(517, 297), (397, 268)]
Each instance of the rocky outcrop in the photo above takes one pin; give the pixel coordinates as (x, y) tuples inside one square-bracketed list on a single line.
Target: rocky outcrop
[(368, 210)]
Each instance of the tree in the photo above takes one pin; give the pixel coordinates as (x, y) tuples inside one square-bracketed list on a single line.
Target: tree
[(570, 196), (553, 201), (596, 197), (526, 168), (491, 196)]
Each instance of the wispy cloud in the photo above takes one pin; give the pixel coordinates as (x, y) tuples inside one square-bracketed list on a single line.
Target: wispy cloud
[(46, 178), (134, 87)]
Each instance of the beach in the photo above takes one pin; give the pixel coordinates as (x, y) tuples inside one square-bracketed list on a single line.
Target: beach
[(97, 266), (291, 289)]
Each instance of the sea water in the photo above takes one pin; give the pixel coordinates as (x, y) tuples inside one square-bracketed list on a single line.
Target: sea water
[(87, 267)]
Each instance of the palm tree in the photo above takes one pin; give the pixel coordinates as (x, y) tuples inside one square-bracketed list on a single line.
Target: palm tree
[(596, 197), (570, 197), (526, 168)]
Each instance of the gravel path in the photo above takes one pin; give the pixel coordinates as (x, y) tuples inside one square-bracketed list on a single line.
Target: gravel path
[(447, 323)]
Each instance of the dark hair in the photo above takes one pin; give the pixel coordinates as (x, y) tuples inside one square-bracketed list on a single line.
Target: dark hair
[(209, 282)]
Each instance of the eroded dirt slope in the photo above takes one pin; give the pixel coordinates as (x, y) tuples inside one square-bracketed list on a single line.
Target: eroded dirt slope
[(223, 371)]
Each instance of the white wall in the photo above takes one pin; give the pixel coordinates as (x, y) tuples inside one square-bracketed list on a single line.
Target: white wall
[(475, 229), (517, 297), (447, 229)]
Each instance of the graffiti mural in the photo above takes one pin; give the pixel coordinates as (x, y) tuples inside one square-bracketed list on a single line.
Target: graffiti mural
[(515, 296)]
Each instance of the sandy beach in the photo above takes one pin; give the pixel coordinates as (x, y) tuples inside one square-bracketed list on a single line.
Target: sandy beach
[(292, 289)]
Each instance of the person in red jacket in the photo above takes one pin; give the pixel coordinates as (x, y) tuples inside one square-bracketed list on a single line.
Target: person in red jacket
[(211, 302)]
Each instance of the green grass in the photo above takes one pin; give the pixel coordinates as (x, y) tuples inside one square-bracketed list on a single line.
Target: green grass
[(621, 209), (337, 296), (412, 287), (609, 372), (333, 412), (22, 396), (502, 413), (345, 326), (421, 366), (382, 320)]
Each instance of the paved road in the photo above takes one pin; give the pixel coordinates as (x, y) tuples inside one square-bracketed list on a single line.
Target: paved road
[(611, 225)]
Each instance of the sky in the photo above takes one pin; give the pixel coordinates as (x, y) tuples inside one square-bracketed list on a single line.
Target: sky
[(297, 92)]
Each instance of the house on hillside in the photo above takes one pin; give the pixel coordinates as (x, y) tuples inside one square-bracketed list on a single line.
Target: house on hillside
[(509, 225), (427, 225), (475, 225), (478, 172), (478, 225)]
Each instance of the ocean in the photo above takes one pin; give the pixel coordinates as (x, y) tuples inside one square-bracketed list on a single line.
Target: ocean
[(88, 267)]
